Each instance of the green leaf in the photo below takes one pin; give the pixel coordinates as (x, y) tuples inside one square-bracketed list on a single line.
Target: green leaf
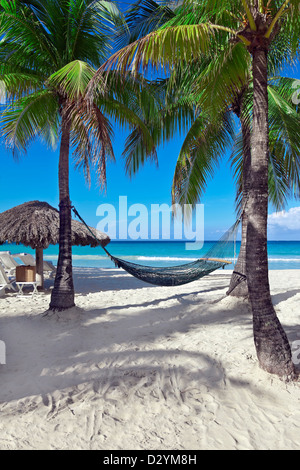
[(72, 79)]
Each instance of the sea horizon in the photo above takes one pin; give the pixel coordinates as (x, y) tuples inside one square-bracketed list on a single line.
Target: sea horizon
[(282, 254)]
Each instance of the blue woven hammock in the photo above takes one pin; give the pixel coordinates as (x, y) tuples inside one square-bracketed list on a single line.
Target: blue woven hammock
[(214, 259)]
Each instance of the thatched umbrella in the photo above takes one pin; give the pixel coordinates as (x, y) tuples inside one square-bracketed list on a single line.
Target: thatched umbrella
[(36, 224)]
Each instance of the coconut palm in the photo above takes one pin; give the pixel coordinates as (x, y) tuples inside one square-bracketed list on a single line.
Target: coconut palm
[(190, 182), (205, 144), (262, 27), (194, 166), (249, 27), (284, 165), (49, 53)]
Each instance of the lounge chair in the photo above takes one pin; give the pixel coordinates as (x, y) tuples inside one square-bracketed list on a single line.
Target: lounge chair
[(29, 260), (8, 262), (5, 282)]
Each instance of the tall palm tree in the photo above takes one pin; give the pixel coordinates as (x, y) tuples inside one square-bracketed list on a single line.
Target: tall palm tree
[(283, 169), (253, 27), (262, 27), (189, 183), (49, 52), (194, 166)]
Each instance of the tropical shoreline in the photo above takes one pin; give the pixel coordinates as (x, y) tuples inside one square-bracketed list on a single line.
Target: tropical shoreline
[(282, 254), (134, 366)]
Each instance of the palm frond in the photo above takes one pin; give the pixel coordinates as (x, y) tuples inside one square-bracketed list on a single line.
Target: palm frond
[(28, 118), (284, 123), (72, 79), (199, 157), (91, 136), (158, 49), (16, 84), (141, 18), (20, 25), (219, 84)]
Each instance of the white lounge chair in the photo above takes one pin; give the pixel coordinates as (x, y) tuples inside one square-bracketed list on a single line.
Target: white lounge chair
[(5, 282), (8, 262), (29, 260)]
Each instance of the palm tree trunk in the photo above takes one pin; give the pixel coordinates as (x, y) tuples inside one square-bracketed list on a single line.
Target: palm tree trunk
[(272, 346), (62, 296), (238, 286)]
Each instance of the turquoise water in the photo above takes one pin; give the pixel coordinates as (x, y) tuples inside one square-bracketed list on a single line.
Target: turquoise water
[(282, 254)]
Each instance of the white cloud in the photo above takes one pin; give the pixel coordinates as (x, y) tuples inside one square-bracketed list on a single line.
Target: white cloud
[(289, 220)]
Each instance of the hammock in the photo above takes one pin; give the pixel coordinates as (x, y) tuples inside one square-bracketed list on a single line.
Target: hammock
[(182, 274)]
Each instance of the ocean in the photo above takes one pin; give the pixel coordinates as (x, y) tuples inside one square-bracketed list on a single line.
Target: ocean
[(282, 254)]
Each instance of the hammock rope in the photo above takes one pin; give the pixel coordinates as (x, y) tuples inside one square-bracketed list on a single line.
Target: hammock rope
[(214, 259)]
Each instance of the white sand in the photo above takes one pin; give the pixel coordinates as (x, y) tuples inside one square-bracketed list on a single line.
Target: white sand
[(142, 367)]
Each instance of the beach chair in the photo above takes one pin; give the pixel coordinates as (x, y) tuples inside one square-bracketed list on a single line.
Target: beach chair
[(8, 262), (29, 260), (5, 282)]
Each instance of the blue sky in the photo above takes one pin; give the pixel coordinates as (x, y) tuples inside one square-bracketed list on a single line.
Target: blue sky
[(35, 177)]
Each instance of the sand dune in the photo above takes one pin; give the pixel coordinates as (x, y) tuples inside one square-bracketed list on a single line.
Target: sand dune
[(134, 366)]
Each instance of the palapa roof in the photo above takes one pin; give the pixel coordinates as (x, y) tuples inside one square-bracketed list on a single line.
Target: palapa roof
[(36, 224)]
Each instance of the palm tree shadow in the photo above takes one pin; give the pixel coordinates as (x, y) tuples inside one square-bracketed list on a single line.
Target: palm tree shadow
[(102, 348), (120, 280), (285, 295), (98, 280)]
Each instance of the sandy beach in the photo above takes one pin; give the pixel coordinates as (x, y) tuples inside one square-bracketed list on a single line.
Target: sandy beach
[(134, 366)]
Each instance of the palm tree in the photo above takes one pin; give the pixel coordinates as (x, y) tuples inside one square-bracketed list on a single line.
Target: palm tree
[(49, 52), (253, 27), (283, 170), (262, 28), (198, 159), (189, 183)]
